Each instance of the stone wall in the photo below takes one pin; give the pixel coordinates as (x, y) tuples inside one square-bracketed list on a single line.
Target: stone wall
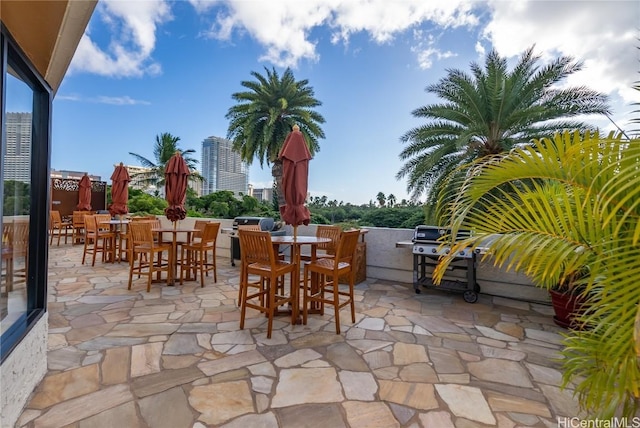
[(21, 372)]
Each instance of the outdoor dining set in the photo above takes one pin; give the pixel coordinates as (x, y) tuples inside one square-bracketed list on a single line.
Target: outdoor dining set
[(270, 282)]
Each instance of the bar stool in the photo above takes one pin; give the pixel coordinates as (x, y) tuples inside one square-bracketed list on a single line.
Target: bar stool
[(194, 256), (258, 258), (326, 273), (146, 254)]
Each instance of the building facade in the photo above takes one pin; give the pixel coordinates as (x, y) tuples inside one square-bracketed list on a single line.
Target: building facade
[(17, 158), (262, 195), (222, 167), (35, 53)]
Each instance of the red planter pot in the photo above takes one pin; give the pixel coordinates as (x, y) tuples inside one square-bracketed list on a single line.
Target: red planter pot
[(566, 306)]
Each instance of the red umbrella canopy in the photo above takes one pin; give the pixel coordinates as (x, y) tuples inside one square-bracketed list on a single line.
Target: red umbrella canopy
[(295, 158), (176, 177), (119, 191), (84, 193)]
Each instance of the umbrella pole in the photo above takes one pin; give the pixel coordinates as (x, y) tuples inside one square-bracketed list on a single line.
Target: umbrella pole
[(174, 256), (295, 232)]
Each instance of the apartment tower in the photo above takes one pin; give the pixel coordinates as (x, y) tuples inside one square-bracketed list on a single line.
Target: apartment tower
[(222, 167)]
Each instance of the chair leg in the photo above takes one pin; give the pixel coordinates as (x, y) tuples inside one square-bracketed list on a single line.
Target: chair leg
[(203, 266), (131, 267), (352, 303), (95, 250), (84, 251), (336, 304), (151, 266), (215, 266), (244, 280), (273, 286), (305, 294)]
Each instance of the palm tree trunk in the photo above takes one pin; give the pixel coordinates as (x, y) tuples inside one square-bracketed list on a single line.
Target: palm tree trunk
[(276, 172)]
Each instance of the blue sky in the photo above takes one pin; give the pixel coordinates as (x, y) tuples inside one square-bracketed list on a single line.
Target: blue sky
[(147, 67)]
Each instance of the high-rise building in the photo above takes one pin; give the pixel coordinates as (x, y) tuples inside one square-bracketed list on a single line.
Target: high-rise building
[(222, 167), (17, 160), (263, 195)]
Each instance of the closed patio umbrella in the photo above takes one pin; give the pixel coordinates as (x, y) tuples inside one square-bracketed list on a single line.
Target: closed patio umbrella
[(295, 158), (84, 193), (119, 191), (176, 177)]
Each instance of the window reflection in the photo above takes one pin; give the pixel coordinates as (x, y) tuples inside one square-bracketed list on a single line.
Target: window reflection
[(16, 176)]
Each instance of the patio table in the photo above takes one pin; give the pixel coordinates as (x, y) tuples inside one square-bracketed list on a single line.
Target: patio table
[(173, 258), (296, 244)]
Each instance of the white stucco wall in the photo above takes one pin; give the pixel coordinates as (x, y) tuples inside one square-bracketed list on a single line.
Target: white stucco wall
[(21, 372)]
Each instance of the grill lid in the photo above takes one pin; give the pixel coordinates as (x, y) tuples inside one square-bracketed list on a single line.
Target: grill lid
[(432, 234), (266, 223)]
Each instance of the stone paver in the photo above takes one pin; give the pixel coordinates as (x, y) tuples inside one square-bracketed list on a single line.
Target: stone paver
[(175, 357)]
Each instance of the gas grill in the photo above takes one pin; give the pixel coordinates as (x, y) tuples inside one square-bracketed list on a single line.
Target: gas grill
[(265, 223), (428, 248)]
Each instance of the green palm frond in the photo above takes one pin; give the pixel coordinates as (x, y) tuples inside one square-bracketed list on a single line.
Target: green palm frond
[(166, 145), (566, 205), (493, 109), (266, 112)]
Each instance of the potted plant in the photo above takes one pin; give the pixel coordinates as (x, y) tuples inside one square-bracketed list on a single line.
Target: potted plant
[(566, 212), (569, 301)]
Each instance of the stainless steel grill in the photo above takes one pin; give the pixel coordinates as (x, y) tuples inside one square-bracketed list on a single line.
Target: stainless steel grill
[(427, 240), (428, 248)]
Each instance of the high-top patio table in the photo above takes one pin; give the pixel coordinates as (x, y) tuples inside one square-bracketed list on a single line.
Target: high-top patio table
[(116, 226), (173, 258), (296, 244)]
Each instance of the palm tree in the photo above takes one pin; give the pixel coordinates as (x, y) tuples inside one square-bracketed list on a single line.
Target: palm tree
[(166, 145), (391, 199), (568, 204), (266, 113), (489, 112), (381, 198)]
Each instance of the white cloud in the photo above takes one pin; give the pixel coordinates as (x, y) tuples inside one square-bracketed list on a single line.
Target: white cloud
[(602, 34), (426, 50), (133, 38), (284, 27), (120, 101)]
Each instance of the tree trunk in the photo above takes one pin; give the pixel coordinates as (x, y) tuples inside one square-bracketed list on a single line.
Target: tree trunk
[(276, 171)]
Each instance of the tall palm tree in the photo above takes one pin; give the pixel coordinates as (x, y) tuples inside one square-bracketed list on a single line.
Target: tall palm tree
[(266, 112), (166, 145), (489, 112), (391, 199)]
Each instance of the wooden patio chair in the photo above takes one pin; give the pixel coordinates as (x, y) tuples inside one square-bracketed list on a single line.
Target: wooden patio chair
[(194, 256), (15, 253), (328, 249), (259, 258), (77, 221), (326, 273), (146, 254), (254, 227), (59, 227), (96, 240)]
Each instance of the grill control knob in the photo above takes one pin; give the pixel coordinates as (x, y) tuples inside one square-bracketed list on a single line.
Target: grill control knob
[(433, 250), (421, 249), (462, 253)]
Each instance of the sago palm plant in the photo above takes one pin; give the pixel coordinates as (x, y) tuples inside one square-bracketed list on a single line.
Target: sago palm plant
[(564, 205)]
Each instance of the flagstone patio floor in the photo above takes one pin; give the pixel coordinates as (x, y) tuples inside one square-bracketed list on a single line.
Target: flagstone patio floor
[(175, 357)]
